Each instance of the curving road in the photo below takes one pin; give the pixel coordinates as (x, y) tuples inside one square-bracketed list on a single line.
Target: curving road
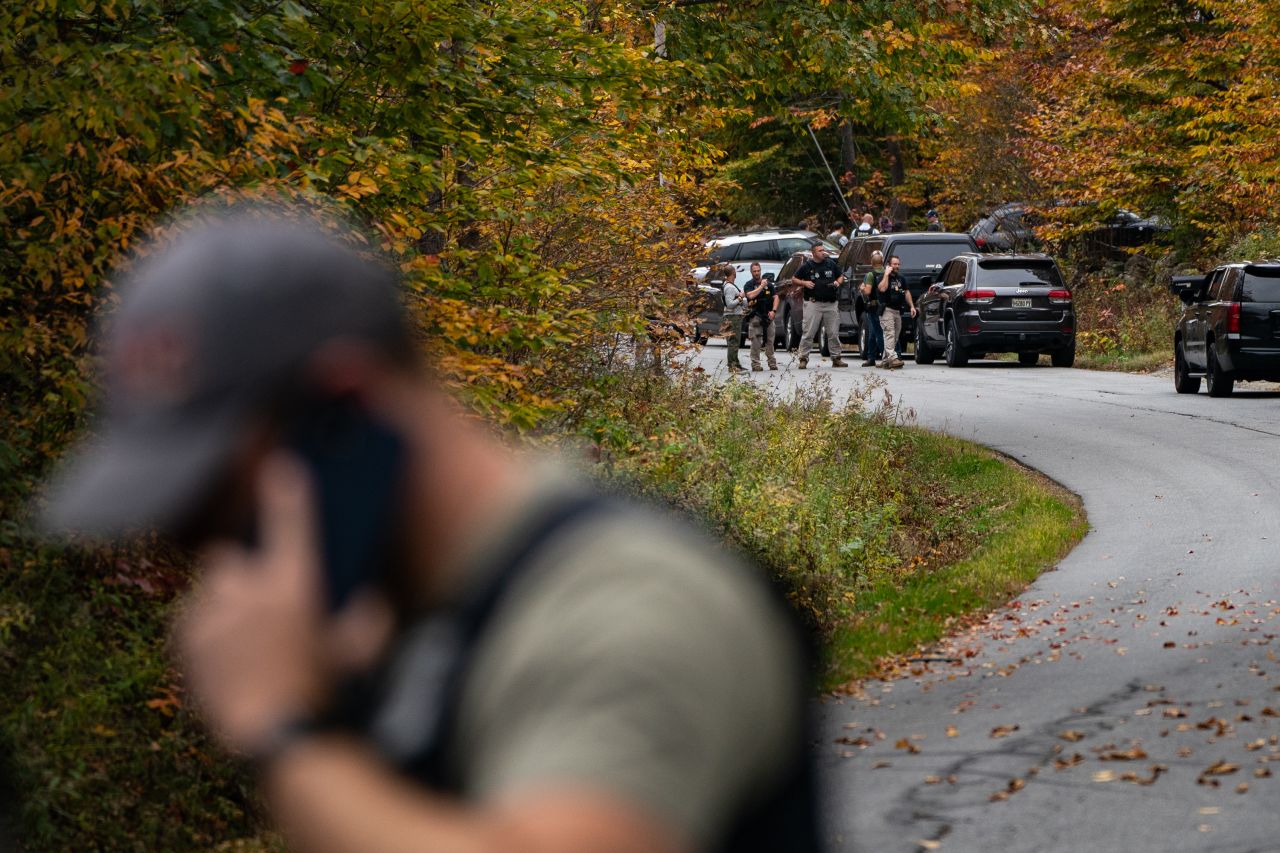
[(1130, 699)]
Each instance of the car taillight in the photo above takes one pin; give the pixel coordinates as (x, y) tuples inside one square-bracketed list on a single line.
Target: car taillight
[(981, 241), (1233, 318), (1059, 297), (980, 297)]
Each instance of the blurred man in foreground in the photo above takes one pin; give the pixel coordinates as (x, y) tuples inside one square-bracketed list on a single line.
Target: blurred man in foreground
[(421, 639)]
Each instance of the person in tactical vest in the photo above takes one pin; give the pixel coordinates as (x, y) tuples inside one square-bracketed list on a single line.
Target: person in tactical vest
[(895, 298), (820, 277), (414, 634), (762, 302), (869, 299), (735, 303)]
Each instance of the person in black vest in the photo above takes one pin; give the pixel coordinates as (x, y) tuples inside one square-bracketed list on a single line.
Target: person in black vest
[(762, 299), (414, 634), (894, 298), (820, 277)]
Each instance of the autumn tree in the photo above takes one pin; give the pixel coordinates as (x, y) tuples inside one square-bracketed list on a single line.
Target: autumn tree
[(862, 75), (507, 156)]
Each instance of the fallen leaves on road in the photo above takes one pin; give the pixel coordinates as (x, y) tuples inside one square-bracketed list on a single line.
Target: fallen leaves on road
[(1004, 731), (1220, 768), (1072, 735), (905, 743), (1015, 785), (1070, 761), (1138, 779), (1135, 753)]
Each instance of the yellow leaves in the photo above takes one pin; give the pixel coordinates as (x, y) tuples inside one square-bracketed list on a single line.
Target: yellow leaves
[(358, 185)]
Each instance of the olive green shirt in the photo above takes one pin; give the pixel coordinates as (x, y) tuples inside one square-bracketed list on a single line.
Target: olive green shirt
[(637, 657)]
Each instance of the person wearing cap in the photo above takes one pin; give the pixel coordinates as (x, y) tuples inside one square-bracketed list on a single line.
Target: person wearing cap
[(416, 635), (935, 224)]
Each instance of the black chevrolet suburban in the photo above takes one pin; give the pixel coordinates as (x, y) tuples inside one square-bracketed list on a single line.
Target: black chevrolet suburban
[(1229, 329)]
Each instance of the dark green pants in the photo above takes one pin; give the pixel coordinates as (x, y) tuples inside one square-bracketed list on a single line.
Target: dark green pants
[(731, 328)]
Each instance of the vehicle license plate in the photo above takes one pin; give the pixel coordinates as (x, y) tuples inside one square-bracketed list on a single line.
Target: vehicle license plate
[(1022, 303)]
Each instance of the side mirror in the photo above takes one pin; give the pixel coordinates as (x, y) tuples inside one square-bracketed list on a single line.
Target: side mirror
[(926, 281), (1187, 297), (770, 276)]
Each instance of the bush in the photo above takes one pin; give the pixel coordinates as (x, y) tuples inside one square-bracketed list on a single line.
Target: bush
[(1125, 311), (815, 489)]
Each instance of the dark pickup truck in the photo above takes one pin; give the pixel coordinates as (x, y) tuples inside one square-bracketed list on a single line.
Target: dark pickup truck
[(923, 253), (1230, 327)]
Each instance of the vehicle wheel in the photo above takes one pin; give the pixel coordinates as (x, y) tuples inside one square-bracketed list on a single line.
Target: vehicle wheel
[(1217, 381), (822, 336), (1064, 357), (924, 354), (1183, 381), (1028, 358), (955, 353), (789, 337), (700, 339)]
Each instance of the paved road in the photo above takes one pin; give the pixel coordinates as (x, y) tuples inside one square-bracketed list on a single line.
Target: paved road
[(1149, 653)]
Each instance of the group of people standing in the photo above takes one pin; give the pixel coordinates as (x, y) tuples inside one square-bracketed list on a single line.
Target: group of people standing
[(864, 225), (752, 307)]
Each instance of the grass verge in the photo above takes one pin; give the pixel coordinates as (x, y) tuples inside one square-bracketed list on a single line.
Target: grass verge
[(1035, 524), (1126, 362), (885, 534)]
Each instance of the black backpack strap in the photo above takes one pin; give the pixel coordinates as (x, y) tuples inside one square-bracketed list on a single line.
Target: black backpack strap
[(469, 623)]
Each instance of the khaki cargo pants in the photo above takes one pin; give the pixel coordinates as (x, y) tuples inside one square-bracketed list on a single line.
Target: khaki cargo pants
[(891, 322), (820, 315), (762, 334)]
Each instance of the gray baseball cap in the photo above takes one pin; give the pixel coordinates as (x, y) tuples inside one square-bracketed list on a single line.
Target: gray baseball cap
[(211, 334)]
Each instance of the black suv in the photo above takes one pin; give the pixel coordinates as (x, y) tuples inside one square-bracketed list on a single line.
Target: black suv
[(1008, 228), (1229, 329), (996, 303), (923, 254)]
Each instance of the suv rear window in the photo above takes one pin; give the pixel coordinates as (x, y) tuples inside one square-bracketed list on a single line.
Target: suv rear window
[(1010, 273), (719, 255), (1261, 284), (758, 250), (924, 255)]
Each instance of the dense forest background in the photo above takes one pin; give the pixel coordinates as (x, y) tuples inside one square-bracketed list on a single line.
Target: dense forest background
[(544, 173)]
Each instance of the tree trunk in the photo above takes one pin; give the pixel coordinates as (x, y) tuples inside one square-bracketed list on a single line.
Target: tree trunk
[(848, 151), (897, 177)]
